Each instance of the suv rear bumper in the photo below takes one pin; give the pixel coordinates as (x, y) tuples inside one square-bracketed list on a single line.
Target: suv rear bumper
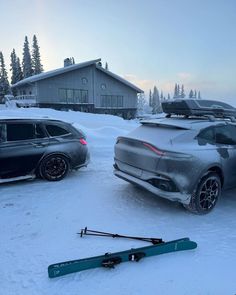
[(183, 198)]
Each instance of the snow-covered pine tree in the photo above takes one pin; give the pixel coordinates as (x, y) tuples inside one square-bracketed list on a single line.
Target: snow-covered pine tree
[(195, 94), (182, 94), (190, 94), (36, 60), (168, 96), (199, 95), (156, 106), (176, 91), (161, 96), (150, 98), (106, 66), (141, 103), (4, 83), (27, 62)]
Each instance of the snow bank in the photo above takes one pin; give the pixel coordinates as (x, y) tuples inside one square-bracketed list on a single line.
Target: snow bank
[(39, 221)]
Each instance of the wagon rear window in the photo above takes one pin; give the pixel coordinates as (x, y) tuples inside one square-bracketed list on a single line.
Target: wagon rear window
[(54, 130)]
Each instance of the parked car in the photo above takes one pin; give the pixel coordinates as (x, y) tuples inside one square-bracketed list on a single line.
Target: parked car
[(188, 159), (40, 147)]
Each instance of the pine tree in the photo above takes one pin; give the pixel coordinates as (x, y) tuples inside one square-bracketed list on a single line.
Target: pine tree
[(190, 94), (13, 67), (182, 94), (195, 94), (161, 96), (36, 60), (176, 91), (106, 66), (150, 98), (141, 103), (156, 106), (26, 63), (168, 96), (199, 95), (19, 73), (4, 83)]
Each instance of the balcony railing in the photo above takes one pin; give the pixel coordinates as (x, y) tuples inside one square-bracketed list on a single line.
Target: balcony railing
[(25, 97), (21, 100)]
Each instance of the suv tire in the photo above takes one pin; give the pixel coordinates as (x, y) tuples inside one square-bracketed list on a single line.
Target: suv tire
[(54, 167), (205, 197)]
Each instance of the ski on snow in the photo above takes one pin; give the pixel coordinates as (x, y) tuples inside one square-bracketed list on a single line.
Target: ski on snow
[(110, 260)]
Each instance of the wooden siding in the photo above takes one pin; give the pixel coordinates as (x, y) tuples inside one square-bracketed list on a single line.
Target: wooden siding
[(113, 87), (48, 89)]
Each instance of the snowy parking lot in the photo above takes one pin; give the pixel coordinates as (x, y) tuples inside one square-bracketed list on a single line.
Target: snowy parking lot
[(40, 221)]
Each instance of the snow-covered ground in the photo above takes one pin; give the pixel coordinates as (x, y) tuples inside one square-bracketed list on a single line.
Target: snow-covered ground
[(39, 221)]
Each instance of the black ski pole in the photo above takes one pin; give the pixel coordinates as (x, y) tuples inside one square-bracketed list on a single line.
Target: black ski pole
[(89, 232)]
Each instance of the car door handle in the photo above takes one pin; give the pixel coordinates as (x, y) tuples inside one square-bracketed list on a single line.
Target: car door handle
[(39, 145)]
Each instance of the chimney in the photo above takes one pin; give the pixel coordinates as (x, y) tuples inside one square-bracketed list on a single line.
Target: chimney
[(67, 62)]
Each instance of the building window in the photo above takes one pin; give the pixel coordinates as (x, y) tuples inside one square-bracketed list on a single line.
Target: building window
[(62, 95), (84, 81), (69, 95), (84, 96), (77, 95), (103, 86), (112, 101)]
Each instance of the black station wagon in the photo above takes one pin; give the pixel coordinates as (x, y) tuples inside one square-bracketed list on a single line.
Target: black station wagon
[(40, 147)]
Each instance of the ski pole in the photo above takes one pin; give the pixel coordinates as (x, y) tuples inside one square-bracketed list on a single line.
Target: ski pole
[(89, 232)]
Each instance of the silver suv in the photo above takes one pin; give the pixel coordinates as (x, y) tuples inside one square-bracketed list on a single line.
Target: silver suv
[(187, 158)]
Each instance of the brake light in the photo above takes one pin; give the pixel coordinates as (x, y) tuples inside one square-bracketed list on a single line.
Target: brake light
[(154, 149), (82, 141)]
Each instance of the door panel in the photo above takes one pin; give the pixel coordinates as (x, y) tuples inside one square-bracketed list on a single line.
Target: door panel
[(20, 157)]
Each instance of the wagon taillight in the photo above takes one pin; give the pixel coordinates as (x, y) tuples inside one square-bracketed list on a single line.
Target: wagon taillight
[(82, 141)]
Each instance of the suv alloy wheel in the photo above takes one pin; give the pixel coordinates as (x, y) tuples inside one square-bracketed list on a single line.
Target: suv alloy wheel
[(207, 194)]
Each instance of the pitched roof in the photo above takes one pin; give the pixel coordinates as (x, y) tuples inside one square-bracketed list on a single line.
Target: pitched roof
[(56, 72), (66, 69), (122, 80)]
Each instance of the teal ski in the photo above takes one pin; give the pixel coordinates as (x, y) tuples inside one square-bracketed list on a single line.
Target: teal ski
[(109, 260)]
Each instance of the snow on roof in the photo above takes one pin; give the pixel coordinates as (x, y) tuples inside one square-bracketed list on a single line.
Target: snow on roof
[(56, 72), (73, 67)]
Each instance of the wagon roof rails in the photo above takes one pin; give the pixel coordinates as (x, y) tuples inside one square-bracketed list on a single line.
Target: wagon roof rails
[(209, 109)]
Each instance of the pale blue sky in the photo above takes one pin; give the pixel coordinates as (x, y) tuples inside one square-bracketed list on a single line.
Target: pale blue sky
[(162, 42)]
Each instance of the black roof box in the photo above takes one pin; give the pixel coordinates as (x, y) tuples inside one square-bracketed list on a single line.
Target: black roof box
[(198, 107)]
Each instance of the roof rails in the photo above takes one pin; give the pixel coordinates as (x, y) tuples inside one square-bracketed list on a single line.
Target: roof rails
[(209, 109)]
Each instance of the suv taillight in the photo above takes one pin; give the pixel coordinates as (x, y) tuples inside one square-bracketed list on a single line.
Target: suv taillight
[(153, 149), (82, 141)]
